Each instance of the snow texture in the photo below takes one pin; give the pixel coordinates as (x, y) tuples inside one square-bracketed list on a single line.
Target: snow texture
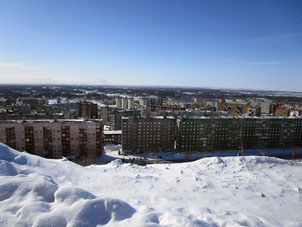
[(228, 191)]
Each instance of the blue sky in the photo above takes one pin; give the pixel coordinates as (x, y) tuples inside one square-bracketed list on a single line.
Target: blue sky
[(202, 43)]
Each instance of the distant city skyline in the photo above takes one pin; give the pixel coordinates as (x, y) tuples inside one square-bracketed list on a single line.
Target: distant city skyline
[(200, 43)]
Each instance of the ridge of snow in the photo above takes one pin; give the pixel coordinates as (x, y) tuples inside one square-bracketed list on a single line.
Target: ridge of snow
[(216, 191)]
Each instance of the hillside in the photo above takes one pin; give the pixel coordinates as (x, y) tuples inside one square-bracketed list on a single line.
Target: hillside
[(230, 191)]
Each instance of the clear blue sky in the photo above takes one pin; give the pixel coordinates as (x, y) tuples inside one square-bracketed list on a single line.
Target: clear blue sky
[(205, 43)]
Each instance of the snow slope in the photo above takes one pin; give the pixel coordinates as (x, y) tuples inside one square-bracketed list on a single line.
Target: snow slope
[(230, 191)]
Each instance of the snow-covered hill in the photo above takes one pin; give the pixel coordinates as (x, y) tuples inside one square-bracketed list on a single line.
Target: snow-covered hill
[(232, 191)]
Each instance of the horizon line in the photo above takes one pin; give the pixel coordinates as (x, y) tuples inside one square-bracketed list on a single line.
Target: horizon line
[(148, 86)]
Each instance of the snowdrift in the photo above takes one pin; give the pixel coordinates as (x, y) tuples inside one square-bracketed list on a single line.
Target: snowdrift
[(229, 191)]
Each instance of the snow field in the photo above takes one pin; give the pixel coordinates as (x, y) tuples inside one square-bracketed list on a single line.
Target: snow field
[(229, 191)]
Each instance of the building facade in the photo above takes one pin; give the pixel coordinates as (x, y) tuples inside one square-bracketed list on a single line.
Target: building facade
[(113, 116), (211, 134), (54, 138), (154, 101), (234, 109), (124, 103), (153, 107), (151, 134), (123, 113), (112, 136), (108, 114), (87, 110)]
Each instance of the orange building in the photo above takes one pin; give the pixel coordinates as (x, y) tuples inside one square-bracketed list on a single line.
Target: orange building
[(234, 109)]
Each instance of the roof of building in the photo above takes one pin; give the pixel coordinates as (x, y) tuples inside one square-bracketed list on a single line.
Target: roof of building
[(50, 121), (150, 117), (112, 132), (239, 117)]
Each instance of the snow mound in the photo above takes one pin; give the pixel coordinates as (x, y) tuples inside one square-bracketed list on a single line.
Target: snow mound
[(29, 196), (53, 221), (216, 191), (41, 189), (92, 212), (7, 169), (115, 163), (7, 153), (70, 195), (101, 211)]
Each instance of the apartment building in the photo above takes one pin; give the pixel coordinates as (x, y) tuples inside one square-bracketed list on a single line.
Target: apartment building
[(87, 110), (54, 138), (153, 107), (123, 113), (180, 102), (234, 109), (125, 103), (154, 101), (150, 134), (113, 116), (112, 136), (236, 133), (108, 114), (33, 102)]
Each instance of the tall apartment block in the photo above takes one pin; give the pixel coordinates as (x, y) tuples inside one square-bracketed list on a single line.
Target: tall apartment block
[(87, 110), (54, 138), (113, 116), (155, 101), (151, 134), (125, 103), (151, 101), (107, 113), (236, 133)]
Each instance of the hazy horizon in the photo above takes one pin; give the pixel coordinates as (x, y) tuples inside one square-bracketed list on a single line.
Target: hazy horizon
[(148, 86)]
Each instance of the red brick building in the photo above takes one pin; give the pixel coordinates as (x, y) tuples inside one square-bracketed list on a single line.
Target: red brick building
[(87, 110)]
